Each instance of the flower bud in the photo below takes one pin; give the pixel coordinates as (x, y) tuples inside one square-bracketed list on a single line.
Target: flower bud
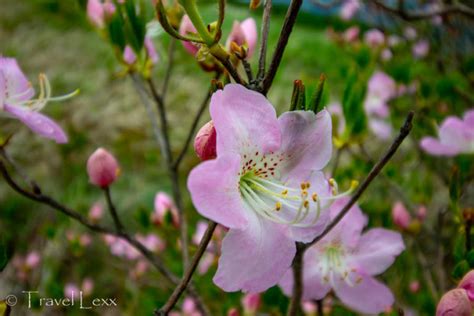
[(233, 312), (96, 212), (129, 56), (467, 283), (205, 142), (32, 260), (400, 215), (414, 286), (164, 205), (454, 303), (251, 302), (102, 168), (186, 27)]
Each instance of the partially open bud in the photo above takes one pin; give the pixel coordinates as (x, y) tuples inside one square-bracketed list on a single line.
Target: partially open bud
[(102, 168), (205, 142), (454, 303), (400, 215), (467, 283), (186, 27), (251, 303), (164, 205)]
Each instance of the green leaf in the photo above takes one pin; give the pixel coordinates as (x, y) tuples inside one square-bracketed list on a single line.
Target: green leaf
[(458, 251), (352, 105), (470, 258), (116, 34), (460, 269), (136, 29)]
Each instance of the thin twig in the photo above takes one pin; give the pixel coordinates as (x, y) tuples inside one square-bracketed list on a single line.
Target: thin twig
[(399, 10), (113, 211), (178, 291), (404, 131), (286, 29), (264, 43), (166, 81), (248, 70), (297, 293), (231, 70)]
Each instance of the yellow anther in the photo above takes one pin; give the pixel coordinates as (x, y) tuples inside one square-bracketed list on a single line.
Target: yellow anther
[(314, 197), (304, 193), (354, 184), (359, 279), (285, 192), (303, 185), (306, 203), (332, 182), (278, 206), (308, 185)]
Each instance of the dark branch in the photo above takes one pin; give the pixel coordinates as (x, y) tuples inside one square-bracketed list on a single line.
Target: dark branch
[(297, 292), (404, 131), (264, 43), (113, 211)]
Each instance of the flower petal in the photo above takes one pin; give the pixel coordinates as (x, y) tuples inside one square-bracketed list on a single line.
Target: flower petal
[(306, 142), (320, 186), (454, 132), (313, 288), (256, 258), (434, 147), (249, 27), (380, 128), (377, 250), (38, 123), (469, 118), (214, 188), (244, 120), (349, 229), (17, 86), (366, 295)]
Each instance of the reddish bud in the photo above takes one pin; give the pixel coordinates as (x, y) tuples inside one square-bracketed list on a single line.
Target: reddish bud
[(400, 215), (454, 303), (467, 283), (205, 142), (102, 168)]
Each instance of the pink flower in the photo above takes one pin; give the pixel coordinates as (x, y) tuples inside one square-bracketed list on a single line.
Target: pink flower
[(244, 34), (97, 11), (185, 28), (346, 260), (267, 176), (32, 260), (205, 142), (456, 136), (129, 56), (351, 34), (151, 50), (163, 205), (16, 101), (400, 215), (152, 242), (189, 308), (454, 303), (96, 212), (71, 290), (421, 48), (467, 283), (102, 168), (349, 9), (374, 38), (251, 303), (87, 286), (414, 286)]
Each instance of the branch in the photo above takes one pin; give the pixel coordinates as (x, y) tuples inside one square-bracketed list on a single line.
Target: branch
[(113, 212), (263, 46), (178, 291), (399, 10), (404, 131), (286, 29), (297, 268)]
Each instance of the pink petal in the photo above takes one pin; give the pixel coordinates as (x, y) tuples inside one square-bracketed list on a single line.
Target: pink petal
[(38, 123), (95, 12), (244, 120), (377, 250), (469, 118), (319, 185), (455, 132), (435, 147), (380, 128), (254, 259), (313, 287), (16, 85), (214, 188), (306, 142), (249, 27), (129, 55), (349, 229), (382, 85), (186, 27), (366, 295), (151, 51)]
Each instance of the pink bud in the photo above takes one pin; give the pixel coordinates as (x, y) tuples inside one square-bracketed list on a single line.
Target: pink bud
[(32, 260), (309, 308), (421, 213), (251, 302), (87, 286), (233, 312), (244, 33), (205, 142), (414, 286), (102, 168), (189, 306), (351, 34), (96, 212), (186, 27), (349, 9), (467, 283), (150, 50), (374, 37), (400, 215), (129, 56), (454, 303), (421, 48), (71, 290), (95, 12)]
